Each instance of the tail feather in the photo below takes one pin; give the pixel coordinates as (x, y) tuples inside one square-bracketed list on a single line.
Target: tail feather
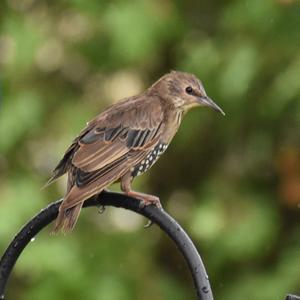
[(67, 219), (70, 207)]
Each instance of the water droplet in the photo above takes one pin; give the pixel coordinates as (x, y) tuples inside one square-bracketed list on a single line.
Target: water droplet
[(32, 239), (101, 209)]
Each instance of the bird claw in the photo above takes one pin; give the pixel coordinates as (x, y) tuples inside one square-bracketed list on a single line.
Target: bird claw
[(149, 224), (142, 204), (144, 199), (150, 201)]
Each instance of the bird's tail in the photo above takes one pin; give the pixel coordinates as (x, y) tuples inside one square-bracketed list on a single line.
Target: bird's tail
[(67, 219)]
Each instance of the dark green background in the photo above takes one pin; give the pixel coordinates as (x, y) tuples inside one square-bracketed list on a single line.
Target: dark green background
[(233, 182)]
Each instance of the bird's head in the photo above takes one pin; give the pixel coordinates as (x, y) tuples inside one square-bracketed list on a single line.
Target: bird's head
[(184, 91)]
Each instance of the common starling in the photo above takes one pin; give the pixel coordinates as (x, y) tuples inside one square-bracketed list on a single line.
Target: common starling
[(124, 141)]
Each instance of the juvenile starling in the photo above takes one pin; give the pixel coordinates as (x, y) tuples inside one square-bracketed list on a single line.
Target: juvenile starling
[(124, 141)]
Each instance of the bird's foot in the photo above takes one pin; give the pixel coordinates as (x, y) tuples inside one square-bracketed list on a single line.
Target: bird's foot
[(145, 199), (152, 200), (149, 224)]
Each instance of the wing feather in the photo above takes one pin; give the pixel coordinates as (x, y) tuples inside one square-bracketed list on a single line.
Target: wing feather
[(135, 128), (88, 184)]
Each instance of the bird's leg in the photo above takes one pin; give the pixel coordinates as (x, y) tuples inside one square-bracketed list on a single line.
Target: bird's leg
[(145, 198)]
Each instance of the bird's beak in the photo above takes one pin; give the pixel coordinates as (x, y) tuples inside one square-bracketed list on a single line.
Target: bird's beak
[(206, 101)]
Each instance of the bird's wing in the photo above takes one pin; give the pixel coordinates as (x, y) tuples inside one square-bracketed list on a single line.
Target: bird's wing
[(114, 134), (118, 140)]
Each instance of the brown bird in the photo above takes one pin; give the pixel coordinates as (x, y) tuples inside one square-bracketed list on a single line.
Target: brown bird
[(124, 141)]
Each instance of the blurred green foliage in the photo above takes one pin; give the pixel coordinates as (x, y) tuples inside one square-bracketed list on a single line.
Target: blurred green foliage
[(233, 182)]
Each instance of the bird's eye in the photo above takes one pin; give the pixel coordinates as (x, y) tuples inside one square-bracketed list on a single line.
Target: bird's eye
[(189, 90)]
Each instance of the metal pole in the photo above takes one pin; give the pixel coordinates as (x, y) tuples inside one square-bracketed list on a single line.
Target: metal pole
[(157, 216)]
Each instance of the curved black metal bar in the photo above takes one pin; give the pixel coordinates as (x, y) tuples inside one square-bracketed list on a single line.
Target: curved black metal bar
[(158, 216), (292, 297)]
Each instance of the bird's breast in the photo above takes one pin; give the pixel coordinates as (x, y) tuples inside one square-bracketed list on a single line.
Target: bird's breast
[(171, 124), (150, 159)]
